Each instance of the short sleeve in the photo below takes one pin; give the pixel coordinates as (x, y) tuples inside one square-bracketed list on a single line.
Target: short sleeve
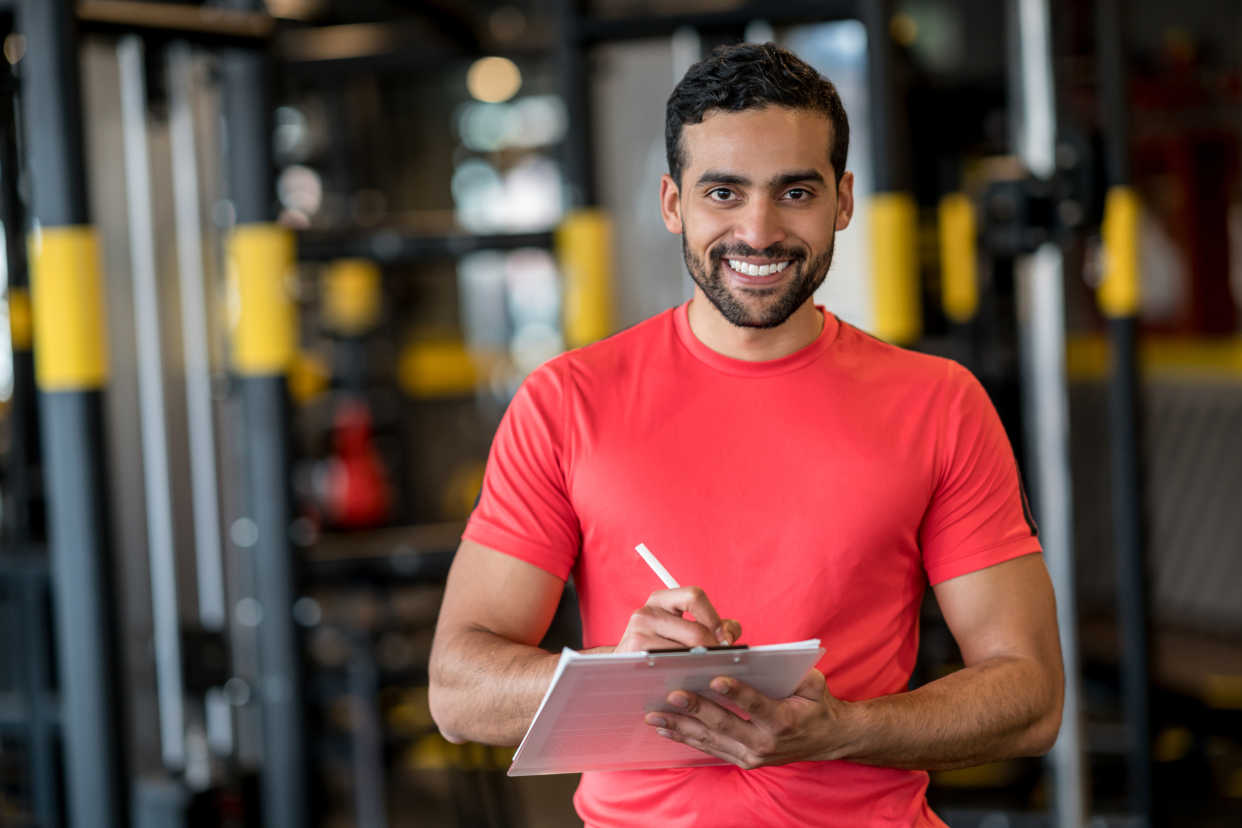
[(524, 508), (978, 515)]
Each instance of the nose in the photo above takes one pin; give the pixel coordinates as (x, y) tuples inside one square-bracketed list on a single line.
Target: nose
[(759, 225)]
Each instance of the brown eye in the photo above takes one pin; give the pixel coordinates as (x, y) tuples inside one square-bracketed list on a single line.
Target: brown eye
[(797, 195), (722, 194)]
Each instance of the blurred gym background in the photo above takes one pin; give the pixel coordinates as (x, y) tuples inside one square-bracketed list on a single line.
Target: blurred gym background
[(273, 270)]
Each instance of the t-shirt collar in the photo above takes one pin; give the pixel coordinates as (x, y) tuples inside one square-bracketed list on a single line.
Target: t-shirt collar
[(744, 368)]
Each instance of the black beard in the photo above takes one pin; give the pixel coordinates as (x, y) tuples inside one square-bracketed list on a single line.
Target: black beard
[(772, 306)]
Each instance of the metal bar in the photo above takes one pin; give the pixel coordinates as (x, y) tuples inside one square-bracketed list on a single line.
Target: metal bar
[(36, 674), (1041, 320), (1037, 135), (195, 348), (267, 462), (23, 451), (265, 417), (571, 72), (876, 15), (76, 528), (1111, 71), (1129, 560), (160, 544), (367, 738), (392, 248), (776, 12), (72, 440), (1046, 403)]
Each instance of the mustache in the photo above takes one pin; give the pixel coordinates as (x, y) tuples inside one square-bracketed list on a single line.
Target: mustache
[(738, 250)]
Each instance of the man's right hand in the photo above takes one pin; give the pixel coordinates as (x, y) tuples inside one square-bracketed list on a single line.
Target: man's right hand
[(659, 624)]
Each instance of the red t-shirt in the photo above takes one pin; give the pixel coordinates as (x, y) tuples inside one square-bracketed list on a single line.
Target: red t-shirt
[(811, 496)]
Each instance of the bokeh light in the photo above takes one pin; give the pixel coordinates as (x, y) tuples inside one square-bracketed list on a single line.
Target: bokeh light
[(493, 79)]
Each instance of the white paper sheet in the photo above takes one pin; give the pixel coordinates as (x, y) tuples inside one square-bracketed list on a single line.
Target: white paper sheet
[(592, 717)]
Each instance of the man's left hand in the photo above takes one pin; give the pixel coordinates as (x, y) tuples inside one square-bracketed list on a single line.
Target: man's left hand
[(806, 726)]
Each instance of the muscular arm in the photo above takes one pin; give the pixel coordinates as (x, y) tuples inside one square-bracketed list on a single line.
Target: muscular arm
[(487, 673), (1006, 702)]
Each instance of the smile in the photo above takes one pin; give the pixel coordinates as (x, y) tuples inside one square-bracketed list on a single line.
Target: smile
[(748, 269)]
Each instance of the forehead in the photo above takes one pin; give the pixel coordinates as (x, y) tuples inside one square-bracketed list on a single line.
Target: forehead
[(759, 142)]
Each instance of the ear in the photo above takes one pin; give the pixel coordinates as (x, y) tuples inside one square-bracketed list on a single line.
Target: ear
[(670, 204), (845, 201)]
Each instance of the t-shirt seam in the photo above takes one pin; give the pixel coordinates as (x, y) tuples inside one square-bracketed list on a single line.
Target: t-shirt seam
[(980, 551)]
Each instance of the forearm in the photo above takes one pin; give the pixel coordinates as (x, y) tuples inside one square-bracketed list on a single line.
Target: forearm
[(486, 688), (1003, 707)]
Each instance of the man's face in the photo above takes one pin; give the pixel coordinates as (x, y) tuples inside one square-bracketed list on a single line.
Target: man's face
[(758, 208)]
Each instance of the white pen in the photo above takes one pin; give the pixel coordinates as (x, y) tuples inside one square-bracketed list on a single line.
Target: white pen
[(657, 567), (662, 573)]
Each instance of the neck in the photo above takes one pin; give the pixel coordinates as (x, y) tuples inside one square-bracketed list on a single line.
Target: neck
[(753, 344)]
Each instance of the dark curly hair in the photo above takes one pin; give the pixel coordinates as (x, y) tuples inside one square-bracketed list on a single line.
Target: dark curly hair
[(752, 76)]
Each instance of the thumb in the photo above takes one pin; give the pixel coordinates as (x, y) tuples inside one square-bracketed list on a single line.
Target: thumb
[(813, 686)]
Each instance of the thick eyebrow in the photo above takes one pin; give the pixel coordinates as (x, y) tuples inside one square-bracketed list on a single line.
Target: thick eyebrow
[(782, 180), (722, 177), (785, 179)]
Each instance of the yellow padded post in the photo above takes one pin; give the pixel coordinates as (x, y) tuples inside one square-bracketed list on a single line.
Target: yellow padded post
[(1118, 294), (21, 326), (897, 296), (260, 263), (351, 296), (71, 349), (959, 281), (584, 249)]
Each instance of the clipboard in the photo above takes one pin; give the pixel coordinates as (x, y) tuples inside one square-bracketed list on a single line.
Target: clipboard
[(592, 717)]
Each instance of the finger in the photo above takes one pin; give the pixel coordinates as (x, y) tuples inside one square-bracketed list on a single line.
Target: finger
[(693, 600), (670, 623), (755, 704), (655, 621), (712, 715), (697, 745), (732, 630), (719, 742)]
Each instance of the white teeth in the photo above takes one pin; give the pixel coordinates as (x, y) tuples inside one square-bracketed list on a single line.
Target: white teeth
[(757, 270)]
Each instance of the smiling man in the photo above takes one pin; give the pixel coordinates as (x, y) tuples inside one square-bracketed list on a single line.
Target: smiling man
[(809, 479)]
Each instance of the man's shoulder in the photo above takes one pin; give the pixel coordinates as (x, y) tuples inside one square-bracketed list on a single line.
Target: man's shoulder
[(606, 364), (625, 350), (883, 362)]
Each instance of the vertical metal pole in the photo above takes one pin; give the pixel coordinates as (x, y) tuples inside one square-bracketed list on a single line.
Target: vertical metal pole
[(1123, 403), (71, 369), (194, 303), (876, 16), (24, 452), (263, 345), (370, 809), (571, 71), (156, 482), (30, 611), (1041, 320)]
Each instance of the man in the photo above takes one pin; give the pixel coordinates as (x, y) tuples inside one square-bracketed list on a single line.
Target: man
[(809, 479)]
